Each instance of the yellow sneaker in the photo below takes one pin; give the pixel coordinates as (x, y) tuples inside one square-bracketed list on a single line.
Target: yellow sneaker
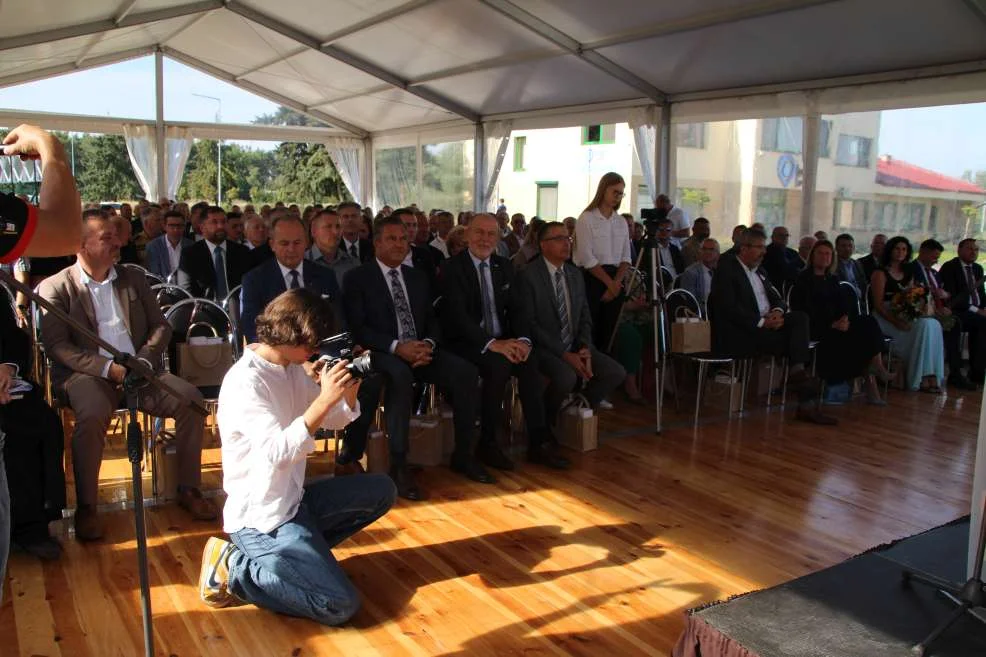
[(214, 574)]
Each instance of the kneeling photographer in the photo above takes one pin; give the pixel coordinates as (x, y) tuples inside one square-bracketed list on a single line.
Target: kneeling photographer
[(282, 531)]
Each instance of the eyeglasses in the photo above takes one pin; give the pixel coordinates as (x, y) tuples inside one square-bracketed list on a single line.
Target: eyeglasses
[(557, 238)]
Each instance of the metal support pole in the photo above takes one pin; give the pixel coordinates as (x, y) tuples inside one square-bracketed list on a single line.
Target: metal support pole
[(479, 170), (159, 136), (663, 158), (810, 136)]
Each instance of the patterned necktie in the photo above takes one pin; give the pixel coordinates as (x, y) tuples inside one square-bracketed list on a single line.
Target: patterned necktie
[(405, 320), (353, 251), (294, 279), (220, 265), (566, 327), (970, 280), (484, 290)]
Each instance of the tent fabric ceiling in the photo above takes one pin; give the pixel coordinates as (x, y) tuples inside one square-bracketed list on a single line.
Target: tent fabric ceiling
[(375, 65)]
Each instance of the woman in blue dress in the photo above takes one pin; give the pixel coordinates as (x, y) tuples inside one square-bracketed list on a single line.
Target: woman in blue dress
[(918, 342)]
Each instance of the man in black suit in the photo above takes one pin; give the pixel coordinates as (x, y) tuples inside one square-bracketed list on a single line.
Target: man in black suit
[(962, 278), (670, 253), (213, 266), (847, 269), (351, 243), (871, 262), (552, 292), (924, 274), (389, 308), (286, 270), (781, 262), (483, 322), (419, 257), (749, 319)]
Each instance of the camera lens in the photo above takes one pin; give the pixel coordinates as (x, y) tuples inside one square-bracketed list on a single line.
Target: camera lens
[(361, 367)]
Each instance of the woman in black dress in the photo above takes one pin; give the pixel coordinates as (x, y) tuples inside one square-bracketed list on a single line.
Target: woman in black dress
[(849, 344)]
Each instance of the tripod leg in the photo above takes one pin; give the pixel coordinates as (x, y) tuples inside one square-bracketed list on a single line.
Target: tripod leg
[(134, 453), (960, 611)]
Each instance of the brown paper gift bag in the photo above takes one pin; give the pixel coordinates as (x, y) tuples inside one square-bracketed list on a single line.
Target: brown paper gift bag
[(578, 427), (377, 452), (166, 466), (689, 334), (448, 437), (206, 364)]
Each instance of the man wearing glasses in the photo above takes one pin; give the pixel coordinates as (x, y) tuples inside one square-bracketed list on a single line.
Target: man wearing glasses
[(670, 253), (697, 279)]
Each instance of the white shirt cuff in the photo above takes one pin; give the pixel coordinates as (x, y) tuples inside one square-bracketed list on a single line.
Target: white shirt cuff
[(393, 346), (106, 369), (973, 309), (760, 323), (487, 347)]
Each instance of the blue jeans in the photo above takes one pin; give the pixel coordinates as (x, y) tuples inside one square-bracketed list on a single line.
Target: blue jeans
[(291, 570)]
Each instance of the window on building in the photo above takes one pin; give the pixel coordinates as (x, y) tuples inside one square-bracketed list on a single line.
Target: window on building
[(825, 136), (547, 200), (850, 214), (913, 216), (599, 134), (885, 215), (853, 151), (690, 135), (692, 200), (783, 135), (519, 144), (771, 207)]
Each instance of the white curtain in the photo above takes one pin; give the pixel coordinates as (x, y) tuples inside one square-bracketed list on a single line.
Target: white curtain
[(347, 156), (641, 121), (496, 137), (142, 148)]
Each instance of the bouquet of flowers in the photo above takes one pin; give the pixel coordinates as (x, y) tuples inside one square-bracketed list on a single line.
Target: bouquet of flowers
[(911, 303)]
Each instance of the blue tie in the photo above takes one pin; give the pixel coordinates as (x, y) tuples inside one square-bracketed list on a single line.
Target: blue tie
[(220, 265)]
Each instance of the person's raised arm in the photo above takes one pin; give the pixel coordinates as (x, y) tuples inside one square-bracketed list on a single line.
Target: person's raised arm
[(59, 227)]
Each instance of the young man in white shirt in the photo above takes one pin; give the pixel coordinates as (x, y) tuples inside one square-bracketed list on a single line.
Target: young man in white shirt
[(283, 531)]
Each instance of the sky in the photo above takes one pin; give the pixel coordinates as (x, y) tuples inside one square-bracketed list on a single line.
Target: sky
[(949, 139)]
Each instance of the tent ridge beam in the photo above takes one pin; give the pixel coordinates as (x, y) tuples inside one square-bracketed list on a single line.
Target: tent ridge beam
[(71, 67), (274, 60), (559, 38), (96, 27), (351, 60), (356, 94), (373, 21), (724, 16), (273, 96)]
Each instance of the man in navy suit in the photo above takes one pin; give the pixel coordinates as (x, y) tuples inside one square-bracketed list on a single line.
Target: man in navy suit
[(962, 277), (388, 306), (286, 270), (213, 266), (164, 252)]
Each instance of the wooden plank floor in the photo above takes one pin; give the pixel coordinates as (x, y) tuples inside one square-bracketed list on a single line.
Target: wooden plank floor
[(601, 560)]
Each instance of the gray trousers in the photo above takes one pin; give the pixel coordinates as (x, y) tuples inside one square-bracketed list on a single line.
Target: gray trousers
[(562, 379)]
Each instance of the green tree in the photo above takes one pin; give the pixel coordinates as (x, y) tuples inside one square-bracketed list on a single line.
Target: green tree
[(103, 171)]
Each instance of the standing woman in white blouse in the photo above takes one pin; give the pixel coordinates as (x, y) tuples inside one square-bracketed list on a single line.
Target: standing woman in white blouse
[(602, 250)]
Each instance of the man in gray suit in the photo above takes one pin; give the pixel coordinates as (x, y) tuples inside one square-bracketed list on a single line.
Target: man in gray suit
[(697, 279), (553, 292), (164, 251)]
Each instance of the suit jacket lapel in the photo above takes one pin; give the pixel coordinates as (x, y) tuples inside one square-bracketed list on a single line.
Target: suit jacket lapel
[(122, 291), (542, 269), (82, 292)]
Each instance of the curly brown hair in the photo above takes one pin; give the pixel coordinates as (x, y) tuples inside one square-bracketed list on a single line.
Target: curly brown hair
[(296, 318)]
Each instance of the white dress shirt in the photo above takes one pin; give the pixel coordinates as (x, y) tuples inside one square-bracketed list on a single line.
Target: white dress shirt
[(400, 276), (286, 275), (349, 245), (666, 259), (440, 244), (265, 442), (763, 301), (174, 254), (707, 282), (109, 315), (212, 258), (601, 241)]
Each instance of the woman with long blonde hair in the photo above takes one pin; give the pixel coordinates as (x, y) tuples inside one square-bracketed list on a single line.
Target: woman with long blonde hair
[(602, 250)]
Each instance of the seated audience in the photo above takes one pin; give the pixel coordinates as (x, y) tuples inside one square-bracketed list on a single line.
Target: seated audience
[(32, 444), (353, 241), (235, 227), (917, 342), (287, 270), (116, 303), (423, 258), (529, 249), (849, 344), (196, 217), (669, 252), (128, 252), (325, 251), (697, 279), (404, 336), (847, 269), (254, 231), (483, 322), (443, 224), (214, 266), (509, 243), (569, 223), (518, 224), (821, 235), (962, 278), (749, 319), (150, 221), (163, 253), (804, 248), (554, 299), (925, 276), (634, 333), (781, 263), (871, 262), (283, 531), (735, 239), (457, 241), (692, 247)]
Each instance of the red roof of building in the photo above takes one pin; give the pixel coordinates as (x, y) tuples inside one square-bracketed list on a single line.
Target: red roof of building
[(897, 173)]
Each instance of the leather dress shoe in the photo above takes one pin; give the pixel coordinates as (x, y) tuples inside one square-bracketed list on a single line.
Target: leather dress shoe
[(472, 469), (404, 482), (45, 548), (814, 416), (197, 506), (346, 469), (87, 524), (961, 382), (494, 457), (547, 455)]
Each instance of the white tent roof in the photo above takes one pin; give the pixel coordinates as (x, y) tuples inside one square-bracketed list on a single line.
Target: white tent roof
[(377, 65)]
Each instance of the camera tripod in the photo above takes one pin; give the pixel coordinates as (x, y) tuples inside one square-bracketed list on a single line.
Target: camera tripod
[(139, 375)]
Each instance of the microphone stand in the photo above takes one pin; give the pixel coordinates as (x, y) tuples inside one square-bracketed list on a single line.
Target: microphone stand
[(657, 303), (139, 375)]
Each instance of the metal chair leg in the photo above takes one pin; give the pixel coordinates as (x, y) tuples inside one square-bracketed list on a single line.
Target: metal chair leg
[(770, 382), (745, 366), (702, 367), (785, 372)]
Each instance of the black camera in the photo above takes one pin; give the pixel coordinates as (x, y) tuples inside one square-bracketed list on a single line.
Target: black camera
[(650, 216), (340, 347)]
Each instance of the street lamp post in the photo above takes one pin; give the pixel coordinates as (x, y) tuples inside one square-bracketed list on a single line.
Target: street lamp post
[(219, 149)]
